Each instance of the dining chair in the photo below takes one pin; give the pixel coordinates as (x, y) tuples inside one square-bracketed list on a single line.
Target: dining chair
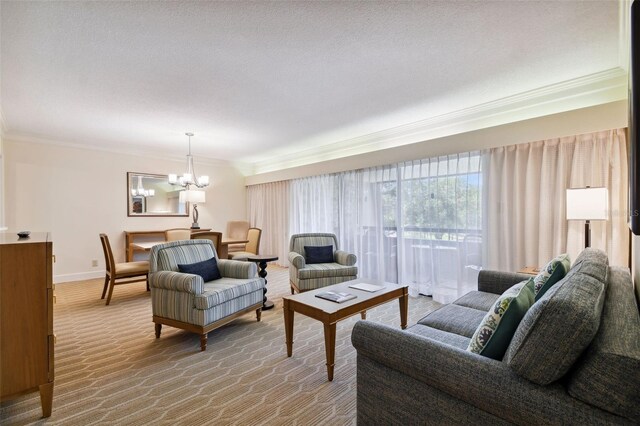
[(237, 230), (176, 234), (215, 237), (251, 248), (121, 273)]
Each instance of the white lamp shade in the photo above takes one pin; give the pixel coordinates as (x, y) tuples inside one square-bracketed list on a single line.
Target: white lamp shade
[(192, 196), (587, 204)]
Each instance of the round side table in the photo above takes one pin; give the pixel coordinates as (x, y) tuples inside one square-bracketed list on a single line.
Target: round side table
[(262, 260)]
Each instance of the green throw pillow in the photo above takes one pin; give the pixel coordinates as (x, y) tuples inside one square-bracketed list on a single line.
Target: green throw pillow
[(493, 335), (551, 274)]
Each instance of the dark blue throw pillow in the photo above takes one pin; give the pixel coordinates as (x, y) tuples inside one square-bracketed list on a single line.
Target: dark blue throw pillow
[(318, 254), (207, 269)]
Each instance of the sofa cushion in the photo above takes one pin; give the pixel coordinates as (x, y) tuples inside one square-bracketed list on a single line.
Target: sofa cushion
[(318, 254), (326, 270), (608, 375), (553, 272), (207, 269), (454, 319), (479, 300), (494, 333), (225, 289), (439, 335), (592, 262), (559, 326)]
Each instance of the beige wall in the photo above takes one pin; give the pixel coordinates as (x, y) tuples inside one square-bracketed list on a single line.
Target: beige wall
[(77, 194), (612, 115)]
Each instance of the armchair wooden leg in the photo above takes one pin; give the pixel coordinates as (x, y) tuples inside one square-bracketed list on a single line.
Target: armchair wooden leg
[(158, 330), (106, 284), (203, 342), (258, 314), (363, 315)]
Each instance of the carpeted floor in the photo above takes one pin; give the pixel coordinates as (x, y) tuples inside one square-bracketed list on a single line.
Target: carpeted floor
[(110, 369)]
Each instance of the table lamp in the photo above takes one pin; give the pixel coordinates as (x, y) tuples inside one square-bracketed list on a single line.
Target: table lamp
[(587, 204), (193, 196)]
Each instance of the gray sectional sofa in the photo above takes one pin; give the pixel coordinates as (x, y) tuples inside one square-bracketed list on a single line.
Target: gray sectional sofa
[(574, 358)]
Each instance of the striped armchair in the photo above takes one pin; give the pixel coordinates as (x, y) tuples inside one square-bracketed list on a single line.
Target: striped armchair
[(304, 277), (185, 301)]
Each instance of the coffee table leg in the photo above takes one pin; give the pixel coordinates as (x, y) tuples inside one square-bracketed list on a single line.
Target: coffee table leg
[(404, 308), (330, 347), (288, 327), (266, 304)]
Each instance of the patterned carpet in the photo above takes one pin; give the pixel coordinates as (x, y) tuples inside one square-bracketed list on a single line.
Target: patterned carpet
[(110, 369)]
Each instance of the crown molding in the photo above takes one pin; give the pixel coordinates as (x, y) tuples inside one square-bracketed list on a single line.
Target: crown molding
[(594, 89), (144, 153), (624, 33)]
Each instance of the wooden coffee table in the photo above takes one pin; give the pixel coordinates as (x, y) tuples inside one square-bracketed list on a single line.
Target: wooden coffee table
[(329, 313)]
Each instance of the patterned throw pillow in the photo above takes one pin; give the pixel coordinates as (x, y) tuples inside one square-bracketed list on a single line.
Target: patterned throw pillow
[(207, 269), (493, 335), (551, 274)]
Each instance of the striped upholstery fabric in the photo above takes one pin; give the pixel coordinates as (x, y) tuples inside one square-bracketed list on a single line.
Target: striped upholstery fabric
[(297, 260), (167, 256), (186, 298), (225, 289), (305, 285), (179, 306), (298, 241), (309, 277), (326, 270), (235, 269), (344, 258), (177, 281)]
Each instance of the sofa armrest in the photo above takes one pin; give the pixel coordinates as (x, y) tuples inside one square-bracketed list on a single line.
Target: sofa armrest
[(498, 281), (237, 269), (483, 382), (297, 260), (344, 258), (177, 281)]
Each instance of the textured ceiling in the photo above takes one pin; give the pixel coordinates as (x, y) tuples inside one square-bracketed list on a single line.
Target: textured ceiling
[(256, 80)]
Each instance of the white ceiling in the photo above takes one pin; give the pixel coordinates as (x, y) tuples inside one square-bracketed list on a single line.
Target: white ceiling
[(259, 81)]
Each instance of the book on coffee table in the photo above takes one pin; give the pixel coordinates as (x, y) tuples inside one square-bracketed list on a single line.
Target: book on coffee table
[(371, 288), (335, 296)]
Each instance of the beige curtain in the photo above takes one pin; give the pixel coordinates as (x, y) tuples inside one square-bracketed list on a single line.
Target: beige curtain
[(525, 208), (268, 207)]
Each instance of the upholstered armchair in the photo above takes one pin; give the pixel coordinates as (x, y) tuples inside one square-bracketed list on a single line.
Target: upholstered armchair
[(187, 301), (306, 276)]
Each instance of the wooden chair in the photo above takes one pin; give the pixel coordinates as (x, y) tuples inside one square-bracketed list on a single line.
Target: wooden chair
[(215, 237), (177, 234), (251, 248), (237, 230), (121, 273)]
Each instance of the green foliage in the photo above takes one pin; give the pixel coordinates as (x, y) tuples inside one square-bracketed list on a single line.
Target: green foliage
[(443, 207)]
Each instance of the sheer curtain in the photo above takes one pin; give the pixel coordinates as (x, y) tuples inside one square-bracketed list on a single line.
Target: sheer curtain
[(268, 207), (417, 223), (525, 208)]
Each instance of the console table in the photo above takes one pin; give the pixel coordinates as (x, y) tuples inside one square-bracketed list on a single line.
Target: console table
[(130, 238)]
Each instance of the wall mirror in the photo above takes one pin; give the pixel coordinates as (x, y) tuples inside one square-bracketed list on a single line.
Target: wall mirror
[(153, 195)]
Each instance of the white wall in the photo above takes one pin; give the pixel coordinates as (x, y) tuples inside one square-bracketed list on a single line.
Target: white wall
[(78, 193)]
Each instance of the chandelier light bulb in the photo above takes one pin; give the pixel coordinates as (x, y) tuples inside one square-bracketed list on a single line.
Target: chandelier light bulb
[(189, 177)]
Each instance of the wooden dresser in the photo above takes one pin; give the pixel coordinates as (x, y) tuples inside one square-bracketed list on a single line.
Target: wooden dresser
[(26, 317)]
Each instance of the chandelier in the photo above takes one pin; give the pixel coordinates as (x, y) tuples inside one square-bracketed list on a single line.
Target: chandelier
[(139, 191), (189, 177)]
